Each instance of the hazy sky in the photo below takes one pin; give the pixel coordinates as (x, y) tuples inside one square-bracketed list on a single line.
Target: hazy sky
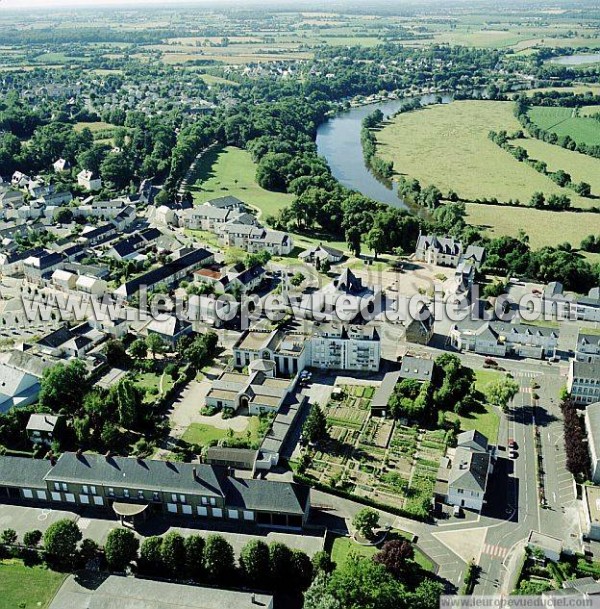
[(25, 4)]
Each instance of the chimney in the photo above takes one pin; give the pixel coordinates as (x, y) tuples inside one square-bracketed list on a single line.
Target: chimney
[(78, 453), (52, 460), (107, 455), (194, 474)]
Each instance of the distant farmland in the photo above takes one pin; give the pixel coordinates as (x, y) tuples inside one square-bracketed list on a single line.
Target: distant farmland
[(448, 145), (564, 121)]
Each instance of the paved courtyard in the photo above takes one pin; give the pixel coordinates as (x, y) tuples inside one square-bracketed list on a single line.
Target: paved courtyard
[(96, 525)]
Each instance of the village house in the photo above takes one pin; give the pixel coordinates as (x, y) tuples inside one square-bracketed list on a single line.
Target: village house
[(588, 347), (254, 239), (170, 330), (503, 339), (41, 428), (583, 382), (257, 392), (471, 463), (87, 180), (320, 254), (40, 265), (441, 251)]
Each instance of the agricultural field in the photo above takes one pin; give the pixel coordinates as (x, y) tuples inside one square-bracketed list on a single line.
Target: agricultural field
[(581, 167), (449, 147), (543, 227), (378, 458), (566, 121)]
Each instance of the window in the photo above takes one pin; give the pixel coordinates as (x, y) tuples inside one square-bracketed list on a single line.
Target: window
[(233, 514), (186, 509), (182, 498), (84, 489), (202, 511), (64, 486), (27, 493), (172, 507), (41, 495), (155, 496), (126, 493), (93, 490), (213, 501), (140, 494), (174, 497), (204, 501), (57, 486), (70, 497), (111, 491), (56, 497), (98, 501), (217, 512), (84, 499), (248, 515)]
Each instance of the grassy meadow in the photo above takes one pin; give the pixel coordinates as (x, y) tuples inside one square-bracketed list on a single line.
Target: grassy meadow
[(231, 171), (543, 227), (449, 147), (581, 167)]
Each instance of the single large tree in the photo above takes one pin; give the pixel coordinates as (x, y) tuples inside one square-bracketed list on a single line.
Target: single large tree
[(315, 426), (121, 548), (60, 542), (173, 553), (365, 521), (395, 556), (280, 557), (63, 387), (194, 557), (255, 564), (218, 558), (151, 555)]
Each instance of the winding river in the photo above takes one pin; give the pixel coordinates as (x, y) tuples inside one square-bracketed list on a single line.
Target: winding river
[(338, 140)]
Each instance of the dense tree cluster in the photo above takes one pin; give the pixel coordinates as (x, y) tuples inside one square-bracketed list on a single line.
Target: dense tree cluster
[(578, 458)]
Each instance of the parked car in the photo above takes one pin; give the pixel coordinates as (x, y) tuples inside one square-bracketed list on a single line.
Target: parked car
[(512, 444), (513, 454)]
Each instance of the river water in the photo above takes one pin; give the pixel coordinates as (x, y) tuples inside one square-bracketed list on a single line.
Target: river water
[(338, 140), (577, 60)]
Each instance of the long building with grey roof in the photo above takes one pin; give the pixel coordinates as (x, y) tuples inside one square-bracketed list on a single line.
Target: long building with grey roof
[(133, 486)]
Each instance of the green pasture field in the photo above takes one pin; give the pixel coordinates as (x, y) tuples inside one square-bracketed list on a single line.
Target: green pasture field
[(564, 121)]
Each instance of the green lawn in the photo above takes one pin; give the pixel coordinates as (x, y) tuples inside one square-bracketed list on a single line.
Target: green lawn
[(448, 145), (564, 121), (231, 171), (27, 587), (209, 79), (199, 433), (485, 419), (542, 226), (94, 127), (343, 547)]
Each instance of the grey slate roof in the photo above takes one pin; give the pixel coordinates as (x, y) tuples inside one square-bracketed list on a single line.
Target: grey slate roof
[(15, 470), (469, 470), (417, 368), (144, 474), (267, 495), (384, 392)]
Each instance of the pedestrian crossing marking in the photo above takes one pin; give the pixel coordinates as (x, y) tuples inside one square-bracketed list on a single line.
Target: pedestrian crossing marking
[(495, 550)]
